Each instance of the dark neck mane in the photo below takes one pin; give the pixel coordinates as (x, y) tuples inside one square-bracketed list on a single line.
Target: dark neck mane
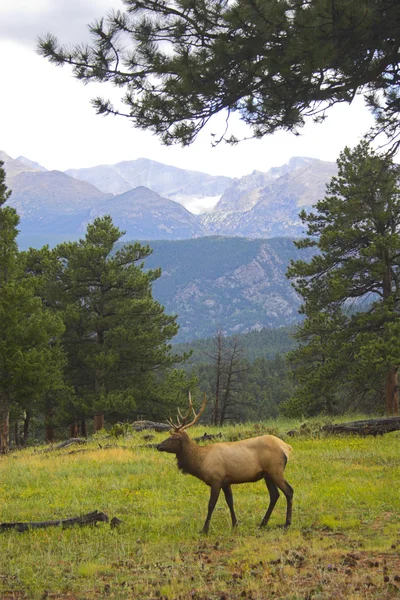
[(190, 458)]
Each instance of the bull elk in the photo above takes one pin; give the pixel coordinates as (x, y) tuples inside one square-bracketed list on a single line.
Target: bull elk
[(222, 464)]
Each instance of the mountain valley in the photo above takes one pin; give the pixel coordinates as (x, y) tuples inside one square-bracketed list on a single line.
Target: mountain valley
[(224, 268)]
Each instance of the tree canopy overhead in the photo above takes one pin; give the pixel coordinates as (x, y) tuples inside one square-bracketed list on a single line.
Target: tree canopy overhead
[(274, 62)]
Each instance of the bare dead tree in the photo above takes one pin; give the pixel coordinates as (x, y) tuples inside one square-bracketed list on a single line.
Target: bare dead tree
[(217, 356), (233, 372), (230, 367)]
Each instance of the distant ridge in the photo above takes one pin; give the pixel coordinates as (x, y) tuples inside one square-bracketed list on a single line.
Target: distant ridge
[(168, 181), (163, 202)]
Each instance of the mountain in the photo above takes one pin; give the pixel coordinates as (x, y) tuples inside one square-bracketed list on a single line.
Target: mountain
[(181, 185), (144, 214), (13, 167), (268, 204), (41, 194), (236, 284), (31, 163), (55, 206), (52, 206)]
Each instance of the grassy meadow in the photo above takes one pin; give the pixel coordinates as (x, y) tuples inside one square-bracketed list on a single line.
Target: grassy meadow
[(344, 541)]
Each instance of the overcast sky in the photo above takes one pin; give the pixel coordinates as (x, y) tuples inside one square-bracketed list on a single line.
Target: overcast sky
[(45, 114)]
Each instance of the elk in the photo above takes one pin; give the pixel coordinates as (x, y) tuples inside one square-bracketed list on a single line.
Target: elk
[(222, 464)]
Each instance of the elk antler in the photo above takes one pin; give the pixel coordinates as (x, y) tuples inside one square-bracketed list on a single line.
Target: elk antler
[(181, 424)]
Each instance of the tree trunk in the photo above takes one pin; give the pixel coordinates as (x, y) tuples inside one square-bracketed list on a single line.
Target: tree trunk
[(232, 370), (49, 428), (74, 429), (4, 423), (226, 396), (27, 422), (16, 434), (99, 386), (49, 433), (392, 392), (83, 428), (218, 382), (98, 421)]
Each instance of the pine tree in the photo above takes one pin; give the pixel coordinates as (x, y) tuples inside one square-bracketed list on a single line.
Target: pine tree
[(273, 62), (117, 336), (54, 405), (350, 343), (30, 355)]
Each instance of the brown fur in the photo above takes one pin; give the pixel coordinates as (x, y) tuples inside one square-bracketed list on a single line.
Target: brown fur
[(222, 464)]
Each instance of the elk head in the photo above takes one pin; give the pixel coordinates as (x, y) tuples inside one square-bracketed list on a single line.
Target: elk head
[(174, 443)]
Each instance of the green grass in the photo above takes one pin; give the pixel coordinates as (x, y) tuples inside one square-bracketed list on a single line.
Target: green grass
[(344, 541)]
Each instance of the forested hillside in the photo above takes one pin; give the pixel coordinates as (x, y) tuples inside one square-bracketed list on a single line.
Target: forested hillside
[(235, 284), (266, 343)]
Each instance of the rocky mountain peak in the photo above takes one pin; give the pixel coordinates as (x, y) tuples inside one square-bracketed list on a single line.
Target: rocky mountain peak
[(185, 186), (157, 201), (4, 157), (267, 204), (298, 162), (30, 163)]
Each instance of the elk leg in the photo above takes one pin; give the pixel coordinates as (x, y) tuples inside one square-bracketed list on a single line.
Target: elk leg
[(273, 498), (288, 491), (229, 500), (215, 490)]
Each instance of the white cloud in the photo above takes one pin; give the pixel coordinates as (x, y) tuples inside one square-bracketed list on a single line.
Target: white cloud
[(46, 115), (24, 20)]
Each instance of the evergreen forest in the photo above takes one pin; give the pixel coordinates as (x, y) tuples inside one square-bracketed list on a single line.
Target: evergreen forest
[(83, 341)]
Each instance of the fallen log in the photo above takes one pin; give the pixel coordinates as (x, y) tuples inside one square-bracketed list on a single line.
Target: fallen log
[(69, 443), (88, 519), (366, 426), (142, 425), (64, 444)]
